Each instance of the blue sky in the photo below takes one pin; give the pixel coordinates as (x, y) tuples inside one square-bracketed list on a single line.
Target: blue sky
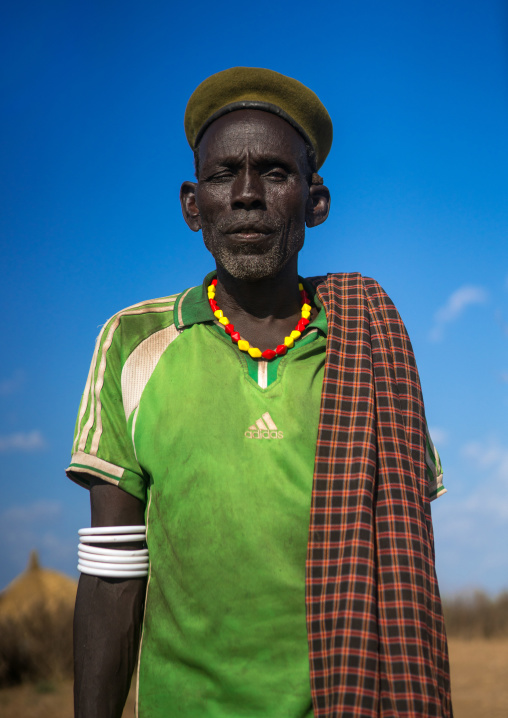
[(92, 156)]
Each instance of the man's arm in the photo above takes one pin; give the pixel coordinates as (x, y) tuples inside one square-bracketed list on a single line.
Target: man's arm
[(107, 617)]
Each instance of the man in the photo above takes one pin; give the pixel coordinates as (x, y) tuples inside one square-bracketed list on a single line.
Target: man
[(270, 433)]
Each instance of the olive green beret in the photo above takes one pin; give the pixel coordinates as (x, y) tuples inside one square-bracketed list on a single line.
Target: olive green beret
[(257, 88)]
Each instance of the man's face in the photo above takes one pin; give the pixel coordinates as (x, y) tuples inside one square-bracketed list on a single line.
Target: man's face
[(252, 193)]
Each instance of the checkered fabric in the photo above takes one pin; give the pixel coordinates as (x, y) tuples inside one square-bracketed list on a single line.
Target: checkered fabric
[(375, 624)]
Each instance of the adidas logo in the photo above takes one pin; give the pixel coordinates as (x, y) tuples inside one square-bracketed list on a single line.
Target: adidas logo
[(264, 428)]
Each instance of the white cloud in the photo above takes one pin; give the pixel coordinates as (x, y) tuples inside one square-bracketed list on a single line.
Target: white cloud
[(490, 457), (438, 436), (471, 521), (456, 304), (12, 384), (487, 502), (29, 514), (490, 499), (22, 441)]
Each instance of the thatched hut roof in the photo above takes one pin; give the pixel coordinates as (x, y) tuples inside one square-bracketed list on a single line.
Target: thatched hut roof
[(37, 587)]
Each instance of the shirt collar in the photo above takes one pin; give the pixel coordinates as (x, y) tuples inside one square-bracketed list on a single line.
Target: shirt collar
[(320, 322), (192, 307)]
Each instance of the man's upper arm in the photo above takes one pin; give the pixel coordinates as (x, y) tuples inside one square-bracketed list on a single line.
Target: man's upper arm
[(111, 506)]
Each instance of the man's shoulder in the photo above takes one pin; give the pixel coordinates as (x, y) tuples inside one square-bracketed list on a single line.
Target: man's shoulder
[(133, 325), (355, 289), (346, 279), (147, 306)]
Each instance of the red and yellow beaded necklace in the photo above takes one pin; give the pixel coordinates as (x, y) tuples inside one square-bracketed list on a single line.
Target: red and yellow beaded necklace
[(244, 345)]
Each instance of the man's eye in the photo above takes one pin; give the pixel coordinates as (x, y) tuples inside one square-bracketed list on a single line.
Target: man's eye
[(277, 174), (222, 176)]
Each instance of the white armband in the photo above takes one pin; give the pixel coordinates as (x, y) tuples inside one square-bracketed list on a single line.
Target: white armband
[(112, 562)]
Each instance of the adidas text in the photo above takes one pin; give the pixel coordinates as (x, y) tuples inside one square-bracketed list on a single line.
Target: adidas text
[(264, 428), (259, 434)]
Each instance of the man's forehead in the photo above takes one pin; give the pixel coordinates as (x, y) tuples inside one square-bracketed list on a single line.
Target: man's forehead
[(259, 89), (255, 129)]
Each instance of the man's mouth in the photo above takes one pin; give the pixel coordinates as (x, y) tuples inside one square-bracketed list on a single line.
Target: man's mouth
[(248, 234), (249, 231)]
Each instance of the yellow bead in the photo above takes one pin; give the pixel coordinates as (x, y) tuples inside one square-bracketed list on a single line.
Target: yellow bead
[(243, 345), (218, 313), (255, 352), (300, 286), (289, 342), (224, 320), (211, 293), (295, 334), (305, 315), (306, 307)]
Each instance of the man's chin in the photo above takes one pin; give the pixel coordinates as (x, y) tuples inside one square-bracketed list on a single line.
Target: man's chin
[(253, 267)]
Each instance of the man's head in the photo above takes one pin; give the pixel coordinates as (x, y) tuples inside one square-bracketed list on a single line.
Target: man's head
[(257, 88), (257, 187)]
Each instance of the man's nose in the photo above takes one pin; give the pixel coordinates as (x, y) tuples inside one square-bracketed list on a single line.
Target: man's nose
[(248, 191)]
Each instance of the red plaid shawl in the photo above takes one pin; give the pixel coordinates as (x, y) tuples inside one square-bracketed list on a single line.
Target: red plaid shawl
[(375, 624)]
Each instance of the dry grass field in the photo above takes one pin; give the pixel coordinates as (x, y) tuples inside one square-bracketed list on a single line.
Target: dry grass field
[(479, 686), (479, 671), (45, 700), (36, 649)]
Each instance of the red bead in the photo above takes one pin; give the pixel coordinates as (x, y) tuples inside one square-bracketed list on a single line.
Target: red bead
[(213, 305), (268, 354), (281, 350), (301, 324), (235, 336), (229, 329), (214, 282)]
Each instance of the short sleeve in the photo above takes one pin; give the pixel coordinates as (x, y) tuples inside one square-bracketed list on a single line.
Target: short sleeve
[(434, 469), (103, 445)]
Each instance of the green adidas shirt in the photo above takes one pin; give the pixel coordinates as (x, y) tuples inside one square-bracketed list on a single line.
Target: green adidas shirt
[(221, 447)]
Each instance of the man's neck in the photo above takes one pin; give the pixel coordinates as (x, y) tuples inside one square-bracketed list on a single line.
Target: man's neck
[(263, 311)]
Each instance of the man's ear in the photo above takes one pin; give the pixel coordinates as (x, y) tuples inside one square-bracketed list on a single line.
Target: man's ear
[(318, 205), (190, 209)]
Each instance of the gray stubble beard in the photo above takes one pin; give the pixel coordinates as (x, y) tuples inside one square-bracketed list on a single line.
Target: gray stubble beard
[(255, 266)]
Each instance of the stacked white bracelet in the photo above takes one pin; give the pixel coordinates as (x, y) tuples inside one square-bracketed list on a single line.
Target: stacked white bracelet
[(112, 562)]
